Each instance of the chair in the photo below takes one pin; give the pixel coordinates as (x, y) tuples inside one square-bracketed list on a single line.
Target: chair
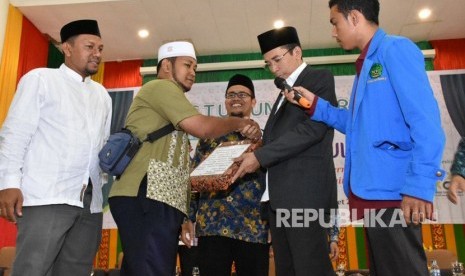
[(443, 257), (7, 256)]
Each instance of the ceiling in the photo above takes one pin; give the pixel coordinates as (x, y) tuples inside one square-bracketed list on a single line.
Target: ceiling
[(228, 26)]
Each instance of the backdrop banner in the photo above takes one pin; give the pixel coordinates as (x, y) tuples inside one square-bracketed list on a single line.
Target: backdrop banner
[(209, 100)]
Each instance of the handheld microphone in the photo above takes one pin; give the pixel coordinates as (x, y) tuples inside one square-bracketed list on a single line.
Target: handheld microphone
[(282, 84)]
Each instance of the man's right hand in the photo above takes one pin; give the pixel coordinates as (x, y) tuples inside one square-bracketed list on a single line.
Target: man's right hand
[(456, 183), (304, 92), (251, 130), (11, 203), (187, 233)]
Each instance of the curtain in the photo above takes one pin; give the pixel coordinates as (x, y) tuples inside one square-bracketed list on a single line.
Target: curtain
[(122, 74), (98, 77), (7, 233), (121, 101), (453, 89), (55, 56), (8, 77), (10, 56), (33, 50), (450, 54)]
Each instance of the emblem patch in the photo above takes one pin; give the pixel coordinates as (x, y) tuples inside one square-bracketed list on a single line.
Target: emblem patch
[(376, 71)]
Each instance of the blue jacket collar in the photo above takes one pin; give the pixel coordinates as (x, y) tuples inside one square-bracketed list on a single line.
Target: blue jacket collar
[(375, 41)]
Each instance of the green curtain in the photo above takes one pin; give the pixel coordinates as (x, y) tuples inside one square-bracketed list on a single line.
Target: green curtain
[(259, 74), (55, 57)]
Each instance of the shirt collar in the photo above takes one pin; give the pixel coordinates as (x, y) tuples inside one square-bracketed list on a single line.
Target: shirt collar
[(364, 52), (293, 77), (361, 58), (73, 74)]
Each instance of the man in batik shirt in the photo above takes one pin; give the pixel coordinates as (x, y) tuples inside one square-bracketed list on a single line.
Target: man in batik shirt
[(228, 223)]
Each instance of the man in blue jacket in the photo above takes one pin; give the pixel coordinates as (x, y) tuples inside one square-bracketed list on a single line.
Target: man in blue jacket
[(394, 138)]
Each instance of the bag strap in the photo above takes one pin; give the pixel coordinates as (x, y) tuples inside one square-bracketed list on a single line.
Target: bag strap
[(159, 133)]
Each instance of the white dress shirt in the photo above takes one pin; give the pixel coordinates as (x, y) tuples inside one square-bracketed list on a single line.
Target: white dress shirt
[(290, 80), (49, 142)]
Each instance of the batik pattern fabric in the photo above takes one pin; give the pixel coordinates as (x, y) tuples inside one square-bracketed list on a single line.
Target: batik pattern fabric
[(168, 183), (458, 166), (234, 213)]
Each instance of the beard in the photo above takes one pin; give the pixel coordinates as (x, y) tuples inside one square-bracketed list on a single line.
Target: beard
[(90, 72), (175, 78), (237, 114)]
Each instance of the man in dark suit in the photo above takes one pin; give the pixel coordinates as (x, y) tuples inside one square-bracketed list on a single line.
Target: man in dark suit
[(297, 155)]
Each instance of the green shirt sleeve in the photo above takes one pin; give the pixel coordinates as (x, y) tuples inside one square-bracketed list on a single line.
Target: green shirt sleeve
[(167, 98)]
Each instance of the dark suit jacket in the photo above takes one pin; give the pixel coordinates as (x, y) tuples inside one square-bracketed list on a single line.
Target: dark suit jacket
[(297, 151)]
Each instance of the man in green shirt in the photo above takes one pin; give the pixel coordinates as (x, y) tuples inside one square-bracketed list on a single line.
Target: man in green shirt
[(150, 199)]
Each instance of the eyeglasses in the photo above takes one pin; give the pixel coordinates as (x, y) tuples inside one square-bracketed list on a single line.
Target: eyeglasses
[(240, 95), (277, 59)]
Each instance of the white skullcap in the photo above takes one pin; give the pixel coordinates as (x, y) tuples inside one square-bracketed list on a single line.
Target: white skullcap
[(176, 49)]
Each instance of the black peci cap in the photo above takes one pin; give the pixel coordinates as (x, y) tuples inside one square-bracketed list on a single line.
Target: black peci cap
[(239, 79), (86, 26), (277, 37)]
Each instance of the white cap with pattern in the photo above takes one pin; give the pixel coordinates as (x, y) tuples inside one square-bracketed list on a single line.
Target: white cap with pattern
[(176, 49)]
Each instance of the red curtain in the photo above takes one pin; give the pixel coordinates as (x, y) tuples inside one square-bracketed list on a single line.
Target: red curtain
[(32, 54), (33, 51), (122, 74), (7, 233), (450, 54)]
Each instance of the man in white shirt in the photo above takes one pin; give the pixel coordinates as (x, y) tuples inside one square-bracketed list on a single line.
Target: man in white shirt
[(50, 180)]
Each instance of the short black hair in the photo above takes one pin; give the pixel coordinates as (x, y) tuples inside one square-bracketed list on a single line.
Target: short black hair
[(291, 46), (369, 8)]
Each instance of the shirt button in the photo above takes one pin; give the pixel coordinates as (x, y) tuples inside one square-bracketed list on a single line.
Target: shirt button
[(438, 173)]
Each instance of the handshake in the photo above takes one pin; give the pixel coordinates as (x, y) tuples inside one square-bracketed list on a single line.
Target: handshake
[(250, 129)]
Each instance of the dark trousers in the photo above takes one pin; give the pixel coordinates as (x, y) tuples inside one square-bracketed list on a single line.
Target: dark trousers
[(188, 258), (300, 251), (149, 232), (394, 249), (216, 256), (57, 239)]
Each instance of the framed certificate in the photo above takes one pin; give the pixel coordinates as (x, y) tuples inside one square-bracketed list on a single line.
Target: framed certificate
[(214, 173)]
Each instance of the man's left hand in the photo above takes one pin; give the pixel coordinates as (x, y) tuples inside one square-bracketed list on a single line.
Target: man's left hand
[(187, 233), (249, 164), (333, 251), (416, 210)]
